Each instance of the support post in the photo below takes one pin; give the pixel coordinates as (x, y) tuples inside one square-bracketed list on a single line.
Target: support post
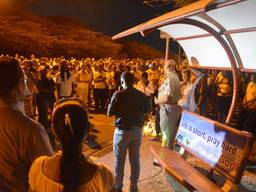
[(167, 48), (179, 59)]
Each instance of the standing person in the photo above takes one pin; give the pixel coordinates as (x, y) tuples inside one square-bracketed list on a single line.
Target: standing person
[(247, 118), (90, 91), (30, 101), (112, 85), (54, 71), (22, 139), (186, 87), (64, 81), (144, 85), (154, 76), (69, 170), (53, 74), (46, 98), (129, 119), (83, 80), (224, 95), (168, 96), (99, 91)]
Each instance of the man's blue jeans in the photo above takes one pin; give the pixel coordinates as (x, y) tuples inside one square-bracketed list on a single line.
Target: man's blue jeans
[(127, 140)]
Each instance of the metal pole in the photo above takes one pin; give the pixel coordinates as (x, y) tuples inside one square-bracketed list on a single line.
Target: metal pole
[(167, 48), (179, 59)]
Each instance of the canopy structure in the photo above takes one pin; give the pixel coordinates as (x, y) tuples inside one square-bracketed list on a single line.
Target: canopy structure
[(215, 34)]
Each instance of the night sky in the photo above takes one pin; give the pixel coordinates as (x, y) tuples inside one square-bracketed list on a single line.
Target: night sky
[(107, 16)]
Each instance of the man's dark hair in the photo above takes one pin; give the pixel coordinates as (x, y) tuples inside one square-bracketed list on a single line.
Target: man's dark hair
[(144, 75), (10, 75), (128, 78)]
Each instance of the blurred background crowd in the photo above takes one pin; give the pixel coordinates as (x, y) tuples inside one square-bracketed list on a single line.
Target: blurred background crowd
[(207, 92)]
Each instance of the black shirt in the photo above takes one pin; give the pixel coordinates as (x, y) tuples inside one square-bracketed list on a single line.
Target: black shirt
[(46, 87), (129, 107)]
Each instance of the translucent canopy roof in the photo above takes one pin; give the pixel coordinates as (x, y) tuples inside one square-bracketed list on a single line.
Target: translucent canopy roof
[(234, 21)]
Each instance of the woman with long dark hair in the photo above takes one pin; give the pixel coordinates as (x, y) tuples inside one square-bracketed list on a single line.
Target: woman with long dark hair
[(69, 170), (64, 81)]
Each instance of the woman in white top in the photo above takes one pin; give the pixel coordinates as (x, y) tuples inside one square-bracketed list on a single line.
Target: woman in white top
[(69, 170), (64, 81), (83, 80), (186, 88)]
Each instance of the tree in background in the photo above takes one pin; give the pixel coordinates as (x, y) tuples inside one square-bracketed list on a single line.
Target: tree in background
[(157, 3), (162, 3)]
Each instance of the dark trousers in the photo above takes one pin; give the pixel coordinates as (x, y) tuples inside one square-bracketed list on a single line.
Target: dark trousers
[(247, 121), (223, 105), (43, 105), (99, 99), (157, 121)]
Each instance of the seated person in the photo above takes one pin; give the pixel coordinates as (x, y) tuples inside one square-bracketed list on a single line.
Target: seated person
[(69, 170)]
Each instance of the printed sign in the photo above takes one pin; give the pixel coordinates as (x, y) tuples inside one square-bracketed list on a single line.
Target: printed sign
[(213, 144)]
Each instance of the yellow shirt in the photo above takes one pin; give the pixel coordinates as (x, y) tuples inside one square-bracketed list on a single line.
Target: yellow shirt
[(250, 92), (83, 79), (102, 181), (153, 75), (99, 80), (111, 80), (219, 78), (224, 88)]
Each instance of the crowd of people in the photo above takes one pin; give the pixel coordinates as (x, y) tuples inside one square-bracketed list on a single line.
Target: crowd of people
[(91, 80), (95, 80), (61, 92)]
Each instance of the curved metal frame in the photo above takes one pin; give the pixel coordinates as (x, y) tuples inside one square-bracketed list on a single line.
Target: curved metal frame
[(232, 45), (227, 49), (230, 55)]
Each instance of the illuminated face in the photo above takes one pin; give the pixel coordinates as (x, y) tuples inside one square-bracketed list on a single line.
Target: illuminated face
[(23, 88), (169, 65), (83, 68), (185, 77), (167, 68)]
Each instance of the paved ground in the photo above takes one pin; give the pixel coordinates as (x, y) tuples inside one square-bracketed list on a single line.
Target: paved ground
[(152, 179), (103, 132)]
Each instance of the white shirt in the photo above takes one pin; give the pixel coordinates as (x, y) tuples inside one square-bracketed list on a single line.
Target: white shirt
[(65, 85)]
